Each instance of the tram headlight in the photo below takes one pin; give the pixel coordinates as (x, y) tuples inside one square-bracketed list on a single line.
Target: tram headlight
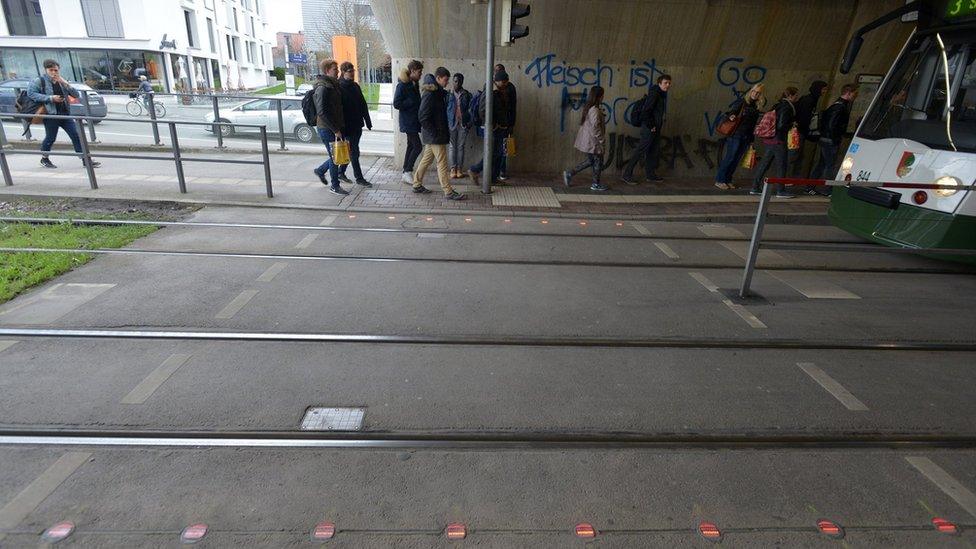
[(847, 165), (947, 181)]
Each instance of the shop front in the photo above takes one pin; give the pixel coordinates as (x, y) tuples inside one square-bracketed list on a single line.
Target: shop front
[(115, 70)]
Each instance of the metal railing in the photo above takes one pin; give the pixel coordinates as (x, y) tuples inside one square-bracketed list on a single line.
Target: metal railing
[(86, 154), (760, 224)]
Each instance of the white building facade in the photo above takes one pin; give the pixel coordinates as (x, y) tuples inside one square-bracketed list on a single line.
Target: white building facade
[(180, 45)]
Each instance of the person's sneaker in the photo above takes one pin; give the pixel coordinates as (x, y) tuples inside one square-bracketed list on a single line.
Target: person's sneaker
[(421, 190), (628, 180), (94, 164), (812, 192), (502, 177), (475, 178), (46, 163), (566, 178), (455, 196), (344, 179), (321, 177), (599, 187), (363, 183), (336, 189), (407, 178), (785, 195), (723, 186), (754, 192)]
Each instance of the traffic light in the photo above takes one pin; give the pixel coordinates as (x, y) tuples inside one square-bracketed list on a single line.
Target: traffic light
[(512, 11)]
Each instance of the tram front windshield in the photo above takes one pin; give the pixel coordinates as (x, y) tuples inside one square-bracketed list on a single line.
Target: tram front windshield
[(912, 104)]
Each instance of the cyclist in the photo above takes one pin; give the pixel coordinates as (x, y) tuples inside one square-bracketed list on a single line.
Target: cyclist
[(146, 90)]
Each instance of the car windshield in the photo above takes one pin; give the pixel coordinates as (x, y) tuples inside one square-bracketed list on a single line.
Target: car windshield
[(913, 103)]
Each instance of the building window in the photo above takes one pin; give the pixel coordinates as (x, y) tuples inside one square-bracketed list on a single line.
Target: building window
[(263, 59), (235, 19), (102, 18), (191, 28), (208, 4), (24, 17), (210, 33), (17, 64), (230, 49), (237, 48)]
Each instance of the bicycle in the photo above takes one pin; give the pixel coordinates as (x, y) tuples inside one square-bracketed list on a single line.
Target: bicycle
[(136, 107)]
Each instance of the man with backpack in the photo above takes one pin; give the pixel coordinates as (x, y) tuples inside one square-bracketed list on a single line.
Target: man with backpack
[(51, 92), (406, 99), (833, 126), (649, 112), (806, 109), (435, 133), (326, 100), (499, 131), (511, 98)]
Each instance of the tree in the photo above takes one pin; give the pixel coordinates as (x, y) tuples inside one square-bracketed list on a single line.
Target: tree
[(351, 18)]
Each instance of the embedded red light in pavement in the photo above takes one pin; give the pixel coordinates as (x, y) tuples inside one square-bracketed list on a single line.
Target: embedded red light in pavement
[(58, 532), (323, 531), (467, 220), (709, 531), (619, 224), (392, 217), (508, 221), (920, 197), (583, 223), (193, 533), (544, 222), (456, 530), (430, 219), (944, 526), (352, 216), (831, 529), (585, 530)]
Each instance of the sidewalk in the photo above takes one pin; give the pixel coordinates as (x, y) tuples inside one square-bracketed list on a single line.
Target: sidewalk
[(296, 186)]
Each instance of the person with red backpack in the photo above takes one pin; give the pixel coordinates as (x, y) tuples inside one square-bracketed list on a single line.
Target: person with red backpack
[(773, 130)]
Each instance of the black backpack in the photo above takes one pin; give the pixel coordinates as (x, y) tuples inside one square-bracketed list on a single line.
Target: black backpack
[(308, 107), (634, 112), (474, 109), (24, 104)]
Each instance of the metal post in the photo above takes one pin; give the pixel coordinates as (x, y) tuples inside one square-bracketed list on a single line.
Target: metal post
[(3, 132), (281, 127), (216, 109), (86, 155), (180, 176), (152, 116), (489, 105), (7, 179), (91, 127), (757, 231), (267, 160)]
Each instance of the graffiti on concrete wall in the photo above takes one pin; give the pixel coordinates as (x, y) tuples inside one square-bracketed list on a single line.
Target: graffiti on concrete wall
[(737, 76)]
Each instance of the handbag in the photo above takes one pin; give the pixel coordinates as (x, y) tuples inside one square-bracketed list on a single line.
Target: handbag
[(341, 152), (728, 126), (749, 158), (509, 146)]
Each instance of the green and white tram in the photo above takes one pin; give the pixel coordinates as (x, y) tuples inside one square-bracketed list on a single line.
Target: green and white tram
[(920, 129)]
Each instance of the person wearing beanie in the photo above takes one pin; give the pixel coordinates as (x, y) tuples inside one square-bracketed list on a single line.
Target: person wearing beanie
[(501, 118), (512, 99)]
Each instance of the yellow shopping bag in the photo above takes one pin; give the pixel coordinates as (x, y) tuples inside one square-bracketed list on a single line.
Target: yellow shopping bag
[(340, 152), (749, 159), (509, 146)]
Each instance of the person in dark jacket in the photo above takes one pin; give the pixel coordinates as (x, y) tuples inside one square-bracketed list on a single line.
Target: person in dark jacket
[(777, 149), (52, 91), (746, 110), (833, 126), (406, 99), (328, 120), (355, 113), (512, 99), (806, 107), (500, 121), (435, 133), (652, 120), (459, 122)]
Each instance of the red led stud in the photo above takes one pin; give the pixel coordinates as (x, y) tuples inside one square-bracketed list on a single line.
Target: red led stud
[(58, 532), (193, 533), (920, 197), (456, 530), (323, 531), (830, 529), (583, 223), (943, 526), (585, 530), (709, 531)]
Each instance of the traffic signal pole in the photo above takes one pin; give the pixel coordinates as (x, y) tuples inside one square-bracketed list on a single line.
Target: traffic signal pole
[(490, 104)]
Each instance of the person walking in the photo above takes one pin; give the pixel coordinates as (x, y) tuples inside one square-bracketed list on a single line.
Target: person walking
[(777, 149), (833, 126), (746, 111), (355, 113), (499, 131), (512, 99), (459, 122), (435, 133), (146, 91), (806, 107), (591, 139), (406, 99), (652, 120), (329, 121), (52, 91)]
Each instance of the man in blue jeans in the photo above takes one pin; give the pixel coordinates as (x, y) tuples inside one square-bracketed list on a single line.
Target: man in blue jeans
[(52, 91), (329, 121)]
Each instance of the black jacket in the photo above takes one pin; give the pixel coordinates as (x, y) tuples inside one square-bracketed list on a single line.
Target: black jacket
[(785, 118), (806, 106), (406, 99), (834, 121), (355, 111), (328, 104), (654, 108), (501, 115), (747, 119), (512, 106), (433, 113)]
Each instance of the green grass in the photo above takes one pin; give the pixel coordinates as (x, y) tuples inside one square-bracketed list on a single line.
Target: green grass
[(280, 88), (372, 93), (20, 271)]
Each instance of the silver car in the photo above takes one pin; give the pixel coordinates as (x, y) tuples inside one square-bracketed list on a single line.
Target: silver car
[(264, 112)]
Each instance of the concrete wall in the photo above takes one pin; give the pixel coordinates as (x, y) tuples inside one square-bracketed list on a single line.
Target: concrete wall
[(714, 49)]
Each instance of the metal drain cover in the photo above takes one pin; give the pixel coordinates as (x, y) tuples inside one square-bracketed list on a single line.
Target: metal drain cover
[(333, 419)]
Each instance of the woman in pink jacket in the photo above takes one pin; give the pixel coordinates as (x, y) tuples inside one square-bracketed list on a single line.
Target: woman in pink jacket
[(591, 139)]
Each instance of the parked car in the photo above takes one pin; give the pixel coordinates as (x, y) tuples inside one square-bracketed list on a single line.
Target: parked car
[(264, 112), (10, 89), (303, 89)]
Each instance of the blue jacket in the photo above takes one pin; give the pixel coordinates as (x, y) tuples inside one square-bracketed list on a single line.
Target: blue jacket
[(42, 89), (406, 99), (452, 101)]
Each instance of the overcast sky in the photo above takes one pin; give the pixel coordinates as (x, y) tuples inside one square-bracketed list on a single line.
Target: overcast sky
[(285, 15)]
